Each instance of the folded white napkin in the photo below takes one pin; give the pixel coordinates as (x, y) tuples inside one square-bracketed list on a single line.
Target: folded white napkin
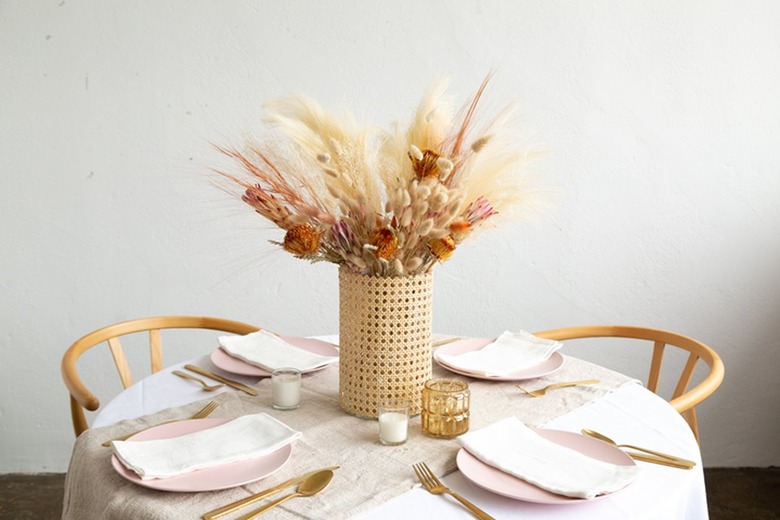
[(512, 351), (246, 437), (270, 352), (512, 447)]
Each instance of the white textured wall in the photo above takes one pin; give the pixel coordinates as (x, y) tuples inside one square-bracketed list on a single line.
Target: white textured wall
[(662, 120)]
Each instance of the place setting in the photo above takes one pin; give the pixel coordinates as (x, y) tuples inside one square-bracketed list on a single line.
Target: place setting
[(260, 354), (215, 454), (202, 454), (199, 453), (205, 454), (541, 465), (512, 356)]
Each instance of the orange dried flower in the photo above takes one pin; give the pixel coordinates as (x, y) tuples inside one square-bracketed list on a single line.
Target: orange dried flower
[(426, 166), (302, 240), (460, 226), (385, 241), (442, 248)]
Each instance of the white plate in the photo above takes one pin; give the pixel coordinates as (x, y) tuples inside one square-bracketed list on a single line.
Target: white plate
[(504, 484), (553, 363), (209, 479), (237, 366)]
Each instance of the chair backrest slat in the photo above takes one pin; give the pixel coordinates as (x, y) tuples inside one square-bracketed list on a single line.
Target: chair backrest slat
[(155, 349), (655, 366), (686, 376), (121, 362)]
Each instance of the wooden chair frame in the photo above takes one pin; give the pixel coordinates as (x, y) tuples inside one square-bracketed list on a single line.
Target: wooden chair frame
[(683, 400), (81, 398)]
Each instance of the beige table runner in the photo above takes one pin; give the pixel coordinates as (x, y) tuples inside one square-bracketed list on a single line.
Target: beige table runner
[(370, 473)]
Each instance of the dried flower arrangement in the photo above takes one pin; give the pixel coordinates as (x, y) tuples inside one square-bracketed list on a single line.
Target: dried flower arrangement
[(381, 203)]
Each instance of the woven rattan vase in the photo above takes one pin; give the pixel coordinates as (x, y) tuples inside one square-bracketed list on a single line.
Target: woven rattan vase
[(385, 340)]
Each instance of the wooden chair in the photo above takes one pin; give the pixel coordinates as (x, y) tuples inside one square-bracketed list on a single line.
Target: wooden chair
[(683, 400), (81, 398)]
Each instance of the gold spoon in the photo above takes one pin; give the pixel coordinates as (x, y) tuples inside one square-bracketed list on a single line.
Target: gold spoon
[(542, 391), (311, 486), (602, 437), (206, 387)]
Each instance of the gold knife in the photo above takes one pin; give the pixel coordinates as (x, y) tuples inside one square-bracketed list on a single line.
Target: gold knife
[(224, 510), (235, 384), (661, 461)]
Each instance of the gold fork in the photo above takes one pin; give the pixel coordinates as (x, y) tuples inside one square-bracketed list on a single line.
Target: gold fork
[(542, 391), (434, 486), (200, 414)]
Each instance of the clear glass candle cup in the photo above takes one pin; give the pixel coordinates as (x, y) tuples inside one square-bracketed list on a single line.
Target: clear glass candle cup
[(445, 408), (393, 422), (286, 388)]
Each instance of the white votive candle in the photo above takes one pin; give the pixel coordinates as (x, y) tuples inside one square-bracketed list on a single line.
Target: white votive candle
[(286, 388), (393, 424)]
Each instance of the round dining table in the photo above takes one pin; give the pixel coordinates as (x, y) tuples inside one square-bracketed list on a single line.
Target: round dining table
[(628, 413)]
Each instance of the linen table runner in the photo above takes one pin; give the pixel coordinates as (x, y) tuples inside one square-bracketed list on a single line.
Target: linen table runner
[(370, 473)]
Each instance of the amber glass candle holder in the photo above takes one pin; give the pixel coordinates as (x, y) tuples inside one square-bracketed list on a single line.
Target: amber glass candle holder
[(445, 408)]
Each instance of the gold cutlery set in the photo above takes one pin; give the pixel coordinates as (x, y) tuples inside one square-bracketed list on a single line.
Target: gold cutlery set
[(308, 484), (655, 457), (224, 380)]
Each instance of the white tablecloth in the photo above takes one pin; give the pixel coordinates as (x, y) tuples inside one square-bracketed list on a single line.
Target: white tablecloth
[(628, 413)]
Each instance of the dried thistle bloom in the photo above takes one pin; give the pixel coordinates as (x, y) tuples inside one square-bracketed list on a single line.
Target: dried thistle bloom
[(428, 165), (442, 248), (385, 241), (302, 240)]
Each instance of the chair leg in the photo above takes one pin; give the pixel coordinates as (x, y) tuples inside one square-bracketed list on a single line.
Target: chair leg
[(690, 417), (77, 414)]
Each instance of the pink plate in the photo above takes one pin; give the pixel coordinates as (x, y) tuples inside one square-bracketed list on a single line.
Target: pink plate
[(553, 363), (237, 366), (209, 479), (504, 484)]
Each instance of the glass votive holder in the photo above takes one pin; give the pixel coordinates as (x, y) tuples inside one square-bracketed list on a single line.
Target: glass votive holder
[(286, 388), (393, 422), (445, 408)]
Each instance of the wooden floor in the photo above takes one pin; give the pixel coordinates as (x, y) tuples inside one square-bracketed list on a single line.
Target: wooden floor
[(732, 493)]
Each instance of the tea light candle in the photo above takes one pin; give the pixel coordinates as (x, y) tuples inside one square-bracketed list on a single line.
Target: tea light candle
[(286, 388), (393, 423), (445, 408)]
